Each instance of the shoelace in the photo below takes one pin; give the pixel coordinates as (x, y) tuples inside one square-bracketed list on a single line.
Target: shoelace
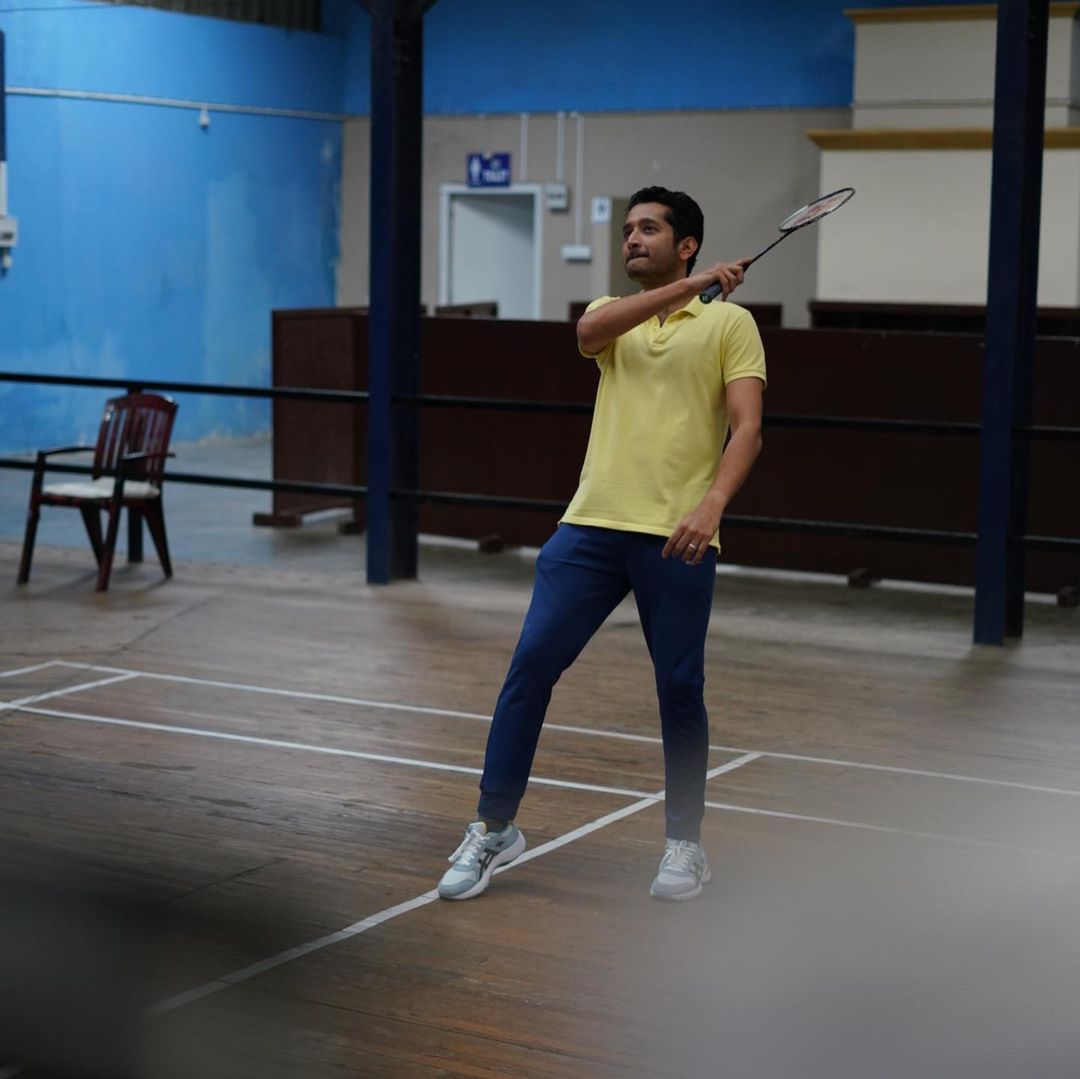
[(470, 848), (680, 857)]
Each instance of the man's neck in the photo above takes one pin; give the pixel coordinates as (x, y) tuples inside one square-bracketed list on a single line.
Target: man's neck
[(675, 305)]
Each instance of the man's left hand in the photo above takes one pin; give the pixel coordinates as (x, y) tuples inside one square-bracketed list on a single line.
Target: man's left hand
[(692, 535)]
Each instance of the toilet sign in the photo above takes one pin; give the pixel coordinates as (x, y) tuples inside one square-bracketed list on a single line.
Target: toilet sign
[(488, 170)]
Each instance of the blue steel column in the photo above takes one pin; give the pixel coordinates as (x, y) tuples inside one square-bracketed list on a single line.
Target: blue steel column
[(394, 329), (1019, 104)]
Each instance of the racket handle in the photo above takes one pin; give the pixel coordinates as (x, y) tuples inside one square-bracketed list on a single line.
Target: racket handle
[(711, 293)]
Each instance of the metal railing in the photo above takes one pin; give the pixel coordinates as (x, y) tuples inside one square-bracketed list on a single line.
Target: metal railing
[(949, 538)]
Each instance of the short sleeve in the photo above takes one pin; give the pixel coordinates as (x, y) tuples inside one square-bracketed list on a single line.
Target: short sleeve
[(606, 350), (742, 353)]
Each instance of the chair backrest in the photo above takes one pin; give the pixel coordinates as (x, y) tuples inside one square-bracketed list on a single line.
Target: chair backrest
[(136, 423)]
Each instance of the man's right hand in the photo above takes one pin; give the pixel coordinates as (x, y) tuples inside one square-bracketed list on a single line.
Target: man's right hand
[(729, 275), (597, 328)]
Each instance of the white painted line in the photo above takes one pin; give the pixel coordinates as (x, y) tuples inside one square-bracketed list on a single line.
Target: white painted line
[(738, 762), (24, 702), (296, 694), (242, 975), (885, 828), (362, 926), (544, 781), (584, 830), (332, 751), (626, 811), (896, 770), (361, 702), (589, 732), (31, 670)]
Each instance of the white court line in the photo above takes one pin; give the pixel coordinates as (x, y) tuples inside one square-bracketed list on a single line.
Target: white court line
[(299, 694), (896, 770), (24, 702), (650, 739), (643, 802), (362, 926), (543, 781), (626, 811), (891, 830), (332, 751), (31, 670)]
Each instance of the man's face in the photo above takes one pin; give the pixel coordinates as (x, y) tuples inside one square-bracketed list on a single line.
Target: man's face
[(649, 248)]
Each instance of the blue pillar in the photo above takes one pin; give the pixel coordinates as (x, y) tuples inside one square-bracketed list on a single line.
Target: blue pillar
[(1019, 104), (394, 329)]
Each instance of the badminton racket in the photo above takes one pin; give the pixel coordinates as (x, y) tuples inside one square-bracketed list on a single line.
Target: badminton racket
[(815, 211)]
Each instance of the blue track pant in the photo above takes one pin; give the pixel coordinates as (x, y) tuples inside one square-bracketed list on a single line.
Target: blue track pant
[(582, 574)]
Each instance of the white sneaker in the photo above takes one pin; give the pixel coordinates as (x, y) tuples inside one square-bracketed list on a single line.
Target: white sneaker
[(683, 870), (475, 860)]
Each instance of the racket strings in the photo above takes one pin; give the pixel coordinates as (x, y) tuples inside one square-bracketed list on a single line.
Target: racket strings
[(816, 209)]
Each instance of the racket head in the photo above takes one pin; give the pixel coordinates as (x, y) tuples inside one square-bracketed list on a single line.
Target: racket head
[(816, 210)]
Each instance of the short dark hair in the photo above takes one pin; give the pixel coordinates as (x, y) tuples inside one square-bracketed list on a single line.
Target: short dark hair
[(683, 215)]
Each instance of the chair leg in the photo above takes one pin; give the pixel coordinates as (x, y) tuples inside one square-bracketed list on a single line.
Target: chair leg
[(135, 537), (109, 547), (28, 542), (91, 516), (155, 522)]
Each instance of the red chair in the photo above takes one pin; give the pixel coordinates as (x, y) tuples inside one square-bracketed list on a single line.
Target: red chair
[(128, 471)]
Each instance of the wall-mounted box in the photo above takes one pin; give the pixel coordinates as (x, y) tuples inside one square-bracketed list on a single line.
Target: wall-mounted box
[(557, 196)]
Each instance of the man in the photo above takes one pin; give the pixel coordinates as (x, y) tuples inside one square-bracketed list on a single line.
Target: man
[(674, 373)]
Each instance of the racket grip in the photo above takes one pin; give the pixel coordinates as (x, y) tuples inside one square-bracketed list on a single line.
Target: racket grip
[(711, 293)]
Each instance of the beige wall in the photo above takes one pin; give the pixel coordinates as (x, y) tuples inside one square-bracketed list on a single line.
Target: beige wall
[(940, 73), (918, 230), (749, 169)]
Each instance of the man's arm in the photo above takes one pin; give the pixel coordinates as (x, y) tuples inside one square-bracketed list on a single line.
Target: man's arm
[(691, 537), (596, 329)]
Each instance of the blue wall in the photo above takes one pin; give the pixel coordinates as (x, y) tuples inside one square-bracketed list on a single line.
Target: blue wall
[(622, 55), (543, 55), (148, 246)]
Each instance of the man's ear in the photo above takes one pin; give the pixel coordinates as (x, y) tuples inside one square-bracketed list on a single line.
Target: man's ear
[(687, 248)]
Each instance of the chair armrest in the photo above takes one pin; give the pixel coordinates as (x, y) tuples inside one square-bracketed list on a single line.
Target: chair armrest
[(145, 456), (41, 464), (42, 454), (128, 461)]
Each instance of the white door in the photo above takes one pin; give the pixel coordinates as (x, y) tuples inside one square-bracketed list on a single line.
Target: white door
[(491, 251)]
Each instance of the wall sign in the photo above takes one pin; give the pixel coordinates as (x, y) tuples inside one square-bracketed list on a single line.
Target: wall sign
[(488, 170)]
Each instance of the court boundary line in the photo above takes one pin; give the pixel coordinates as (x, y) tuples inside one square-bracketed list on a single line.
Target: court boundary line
[(27, 706), (30, 670), (643, 801), (307, 747), (621, 735), (373, 920), (839, 822), (460, 769), (23, 703)]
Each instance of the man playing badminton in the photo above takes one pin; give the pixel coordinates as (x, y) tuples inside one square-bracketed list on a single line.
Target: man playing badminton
[(675, 374)]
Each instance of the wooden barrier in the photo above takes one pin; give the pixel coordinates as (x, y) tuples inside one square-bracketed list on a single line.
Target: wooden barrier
[(324, 348), (479, 309), (929, 317), (913, 481), (765, 314)]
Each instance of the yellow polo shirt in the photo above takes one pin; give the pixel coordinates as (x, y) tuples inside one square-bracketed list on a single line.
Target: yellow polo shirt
[(660, 420)]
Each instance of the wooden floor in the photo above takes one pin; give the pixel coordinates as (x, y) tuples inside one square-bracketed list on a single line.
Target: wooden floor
[(244, 783)]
